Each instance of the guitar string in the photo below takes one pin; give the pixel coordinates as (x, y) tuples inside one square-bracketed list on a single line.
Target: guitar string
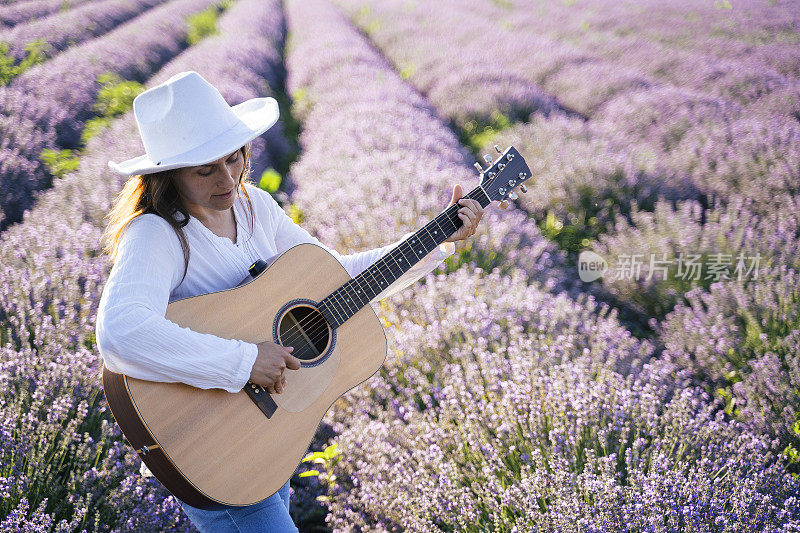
[(448, 212), (318, 318), (370, 271), (450, 216)]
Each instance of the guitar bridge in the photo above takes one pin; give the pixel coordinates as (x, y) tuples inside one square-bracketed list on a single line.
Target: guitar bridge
[(262, 398)]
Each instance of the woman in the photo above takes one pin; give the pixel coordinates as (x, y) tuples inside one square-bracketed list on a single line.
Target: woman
[(186, 223)]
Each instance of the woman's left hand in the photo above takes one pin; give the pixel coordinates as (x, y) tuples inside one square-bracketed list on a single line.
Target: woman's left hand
[(470, 214)]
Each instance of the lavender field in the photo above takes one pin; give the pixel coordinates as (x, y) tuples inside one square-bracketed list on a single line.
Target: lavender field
[(617, 351)]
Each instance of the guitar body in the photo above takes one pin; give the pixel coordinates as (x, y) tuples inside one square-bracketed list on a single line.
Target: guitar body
[(210, 447)]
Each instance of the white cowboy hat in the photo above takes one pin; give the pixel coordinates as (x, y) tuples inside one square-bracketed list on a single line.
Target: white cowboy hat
[(186, 122)]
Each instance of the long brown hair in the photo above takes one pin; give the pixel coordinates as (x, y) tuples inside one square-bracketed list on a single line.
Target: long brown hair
[(156, 193)]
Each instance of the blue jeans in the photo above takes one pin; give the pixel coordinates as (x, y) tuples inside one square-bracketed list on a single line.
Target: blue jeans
[(269, 516)]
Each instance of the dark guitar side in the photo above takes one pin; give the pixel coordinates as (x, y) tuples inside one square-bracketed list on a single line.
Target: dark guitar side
[(210, 447), (135, 431)]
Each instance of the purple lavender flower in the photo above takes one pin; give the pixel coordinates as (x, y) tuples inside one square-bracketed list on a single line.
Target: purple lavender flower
[(740, 340)]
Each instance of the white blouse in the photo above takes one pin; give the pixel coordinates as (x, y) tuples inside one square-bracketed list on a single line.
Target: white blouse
[(135, 338)]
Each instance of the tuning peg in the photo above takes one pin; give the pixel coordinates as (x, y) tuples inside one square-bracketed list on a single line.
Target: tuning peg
[(503, 204), (513, 195), (479, 167), (487, 158), (499, 151), (523, 188)]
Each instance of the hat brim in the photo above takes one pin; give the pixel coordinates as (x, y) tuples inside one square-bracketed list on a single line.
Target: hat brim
[(255, 115)]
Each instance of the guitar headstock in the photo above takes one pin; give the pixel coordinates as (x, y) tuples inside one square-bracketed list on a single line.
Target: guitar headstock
[(501, 177)]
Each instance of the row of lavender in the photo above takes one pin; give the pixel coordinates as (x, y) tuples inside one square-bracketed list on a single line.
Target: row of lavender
[(758, 28), (48, 105), (64, 463), (20, 12), (743, 54), (73, 26), (728, 160), (503, 405)]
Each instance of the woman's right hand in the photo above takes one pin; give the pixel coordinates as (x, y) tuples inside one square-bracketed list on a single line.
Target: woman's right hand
[(270, 363)]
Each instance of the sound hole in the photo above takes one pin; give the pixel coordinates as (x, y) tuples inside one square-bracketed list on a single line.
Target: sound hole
[(306, 329)]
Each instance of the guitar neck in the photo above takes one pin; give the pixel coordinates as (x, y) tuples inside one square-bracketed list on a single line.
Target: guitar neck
[(348, 299)]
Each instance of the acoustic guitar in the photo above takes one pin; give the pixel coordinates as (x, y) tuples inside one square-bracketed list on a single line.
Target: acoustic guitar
[(212, 448)]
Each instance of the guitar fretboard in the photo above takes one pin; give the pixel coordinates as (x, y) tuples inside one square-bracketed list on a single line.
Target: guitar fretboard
[(348, 299)]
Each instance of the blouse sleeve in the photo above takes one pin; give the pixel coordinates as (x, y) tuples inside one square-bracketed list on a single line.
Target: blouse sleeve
[(136, 339), (288, 234)]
